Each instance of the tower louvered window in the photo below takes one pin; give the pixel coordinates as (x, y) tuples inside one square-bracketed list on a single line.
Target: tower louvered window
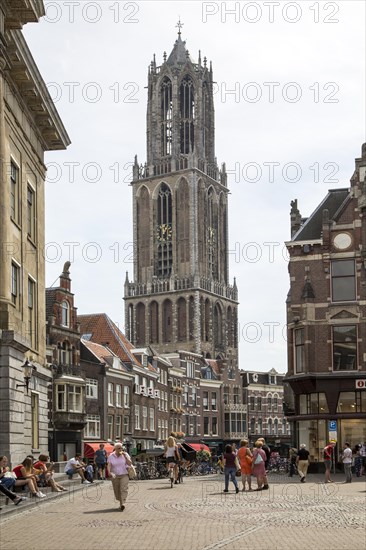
[(166, 117), (164, 232), (187, 115)]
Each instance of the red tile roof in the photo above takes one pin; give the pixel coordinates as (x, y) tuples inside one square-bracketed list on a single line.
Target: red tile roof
[(105, 332)]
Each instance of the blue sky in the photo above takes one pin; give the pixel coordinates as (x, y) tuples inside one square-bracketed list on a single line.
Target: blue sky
[(290, 120)]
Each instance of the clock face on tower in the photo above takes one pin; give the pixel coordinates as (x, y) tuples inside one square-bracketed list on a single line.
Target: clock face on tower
[(164, 232)]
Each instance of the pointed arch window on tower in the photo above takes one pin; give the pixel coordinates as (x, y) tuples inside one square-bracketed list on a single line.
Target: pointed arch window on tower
[(164, 232), (187, 115), (206, 120), (166, 116), (211, 235)]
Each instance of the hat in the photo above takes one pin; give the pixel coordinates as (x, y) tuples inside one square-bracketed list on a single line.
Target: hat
[(302, 446)]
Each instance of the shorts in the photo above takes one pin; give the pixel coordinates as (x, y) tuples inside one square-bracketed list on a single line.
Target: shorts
[(327, 464), (171, 460), (101, 466)]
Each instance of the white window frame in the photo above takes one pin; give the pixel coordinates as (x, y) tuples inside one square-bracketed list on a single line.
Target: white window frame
[(91, 388), (126, 397), (92, 419), (152, 419), (144, 418), (110, 394), (118, 395)]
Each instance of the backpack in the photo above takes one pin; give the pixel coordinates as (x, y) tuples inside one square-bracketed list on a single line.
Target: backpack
[(258, 459)]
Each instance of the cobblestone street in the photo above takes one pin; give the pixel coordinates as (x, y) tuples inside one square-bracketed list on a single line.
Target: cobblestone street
[(196, 516)]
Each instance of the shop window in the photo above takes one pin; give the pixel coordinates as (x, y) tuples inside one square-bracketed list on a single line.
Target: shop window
[(347, 402), (344, 347)]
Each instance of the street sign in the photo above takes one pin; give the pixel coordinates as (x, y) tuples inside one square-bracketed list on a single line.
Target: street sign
[(361, 384), (332, 430)]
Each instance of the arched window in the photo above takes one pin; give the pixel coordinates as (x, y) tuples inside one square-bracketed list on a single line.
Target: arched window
[(167, 321), (130, 323), (191, 318), (140, 324), (259, 426), (211, 233), (269, 426), (230, 338), (154, 323), (207, 319), (143, 229), (187, 115), (182, 217), (275, 426), (252, 426), (65, 313), (166, 116), (217, 322), (206, 120), (164, 231), (182, 319)]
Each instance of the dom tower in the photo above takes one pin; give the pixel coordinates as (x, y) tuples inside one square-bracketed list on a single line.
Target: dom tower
[(180, 298)]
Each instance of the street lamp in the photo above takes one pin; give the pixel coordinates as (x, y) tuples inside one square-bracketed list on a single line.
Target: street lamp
[(28, 370)]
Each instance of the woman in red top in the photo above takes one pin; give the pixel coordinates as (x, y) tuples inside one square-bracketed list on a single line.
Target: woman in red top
[(46, 474), (25, 472), (11, 482)]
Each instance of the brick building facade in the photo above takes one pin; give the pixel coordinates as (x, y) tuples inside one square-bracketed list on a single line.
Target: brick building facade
[(326, 317)]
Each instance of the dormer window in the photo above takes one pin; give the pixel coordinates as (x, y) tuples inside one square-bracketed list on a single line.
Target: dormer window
[(65, 313)]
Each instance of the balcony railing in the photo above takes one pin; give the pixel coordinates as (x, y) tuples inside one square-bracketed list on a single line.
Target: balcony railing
[(175, 283), (175, 164)]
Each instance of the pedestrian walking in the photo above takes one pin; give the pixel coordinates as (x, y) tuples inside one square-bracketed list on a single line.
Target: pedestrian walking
[(100, 461), (292, 455), (230, 468), (357, 460), (117, 467), (347, 462), (302, 461), (327, 456)]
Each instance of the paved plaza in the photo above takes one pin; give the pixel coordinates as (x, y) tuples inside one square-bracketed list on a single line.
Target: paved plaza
[(196, 516)]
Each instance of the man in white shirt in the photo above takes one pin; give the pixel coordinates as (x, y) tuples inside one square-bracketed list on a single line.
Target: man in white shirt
[(75, 466), (347, 462)]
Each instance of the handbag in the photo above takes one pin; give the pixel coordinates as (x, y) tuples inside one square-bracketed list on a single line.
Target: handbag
[(237, 465), (131, 472)]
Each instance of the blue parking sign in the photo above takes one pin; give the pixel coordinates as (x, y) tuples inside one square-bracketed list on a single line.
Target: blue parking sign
[(332, 425)]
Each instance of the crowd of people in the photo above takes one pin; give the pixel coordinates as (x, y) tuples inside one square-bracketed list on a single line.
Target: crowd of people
[(246, 463), (33, 474), (352, 459)]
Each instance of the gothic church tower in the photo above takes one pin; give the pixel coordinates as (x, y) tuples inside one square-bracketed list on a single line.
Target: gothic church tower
[(180, 298)]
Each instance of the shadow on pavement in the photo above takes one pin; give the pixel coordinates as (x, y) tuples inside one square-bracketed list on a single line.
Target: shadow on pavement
[(106, 511)]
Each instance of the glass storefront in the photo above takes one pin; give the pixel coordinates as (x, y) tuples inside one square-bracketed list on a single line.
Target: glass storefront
[(314, 433)]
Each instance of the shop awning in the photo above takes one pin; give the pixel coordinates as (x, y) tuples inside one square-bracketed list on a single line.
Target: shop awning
[(90, 448), (199, 447)]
